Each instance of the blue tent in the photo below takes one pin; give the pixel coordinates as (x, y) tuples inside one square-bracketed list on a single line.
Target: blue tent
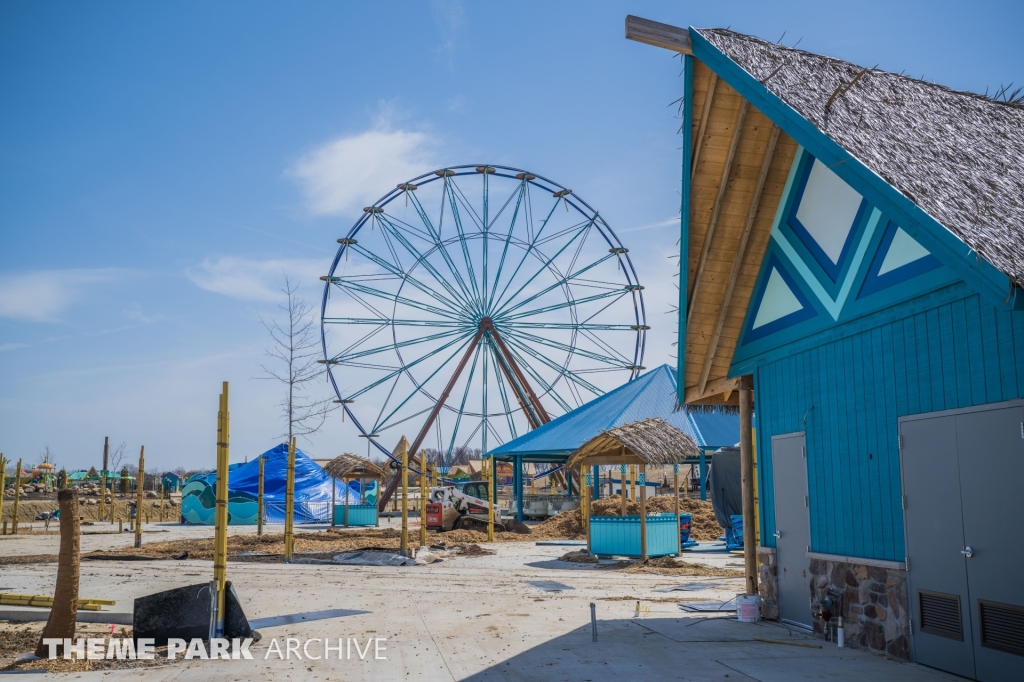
[(650, 395), (313, 489)]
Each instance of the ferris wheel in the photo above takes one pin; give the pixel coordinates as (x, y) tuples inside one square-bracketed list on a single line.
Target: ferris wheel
[(472, 304)]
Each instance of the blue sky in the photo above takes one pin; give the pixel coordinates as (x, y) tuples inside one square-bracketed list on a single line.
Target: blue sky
[(162, 164)]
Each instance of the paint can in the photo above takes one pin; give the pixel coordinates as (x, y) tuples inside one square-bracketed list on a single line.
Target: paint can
[(748, 608)]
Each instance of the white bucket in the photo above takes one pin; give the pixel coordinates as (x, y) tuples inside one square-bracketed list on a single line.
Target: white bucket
[(748, 608)]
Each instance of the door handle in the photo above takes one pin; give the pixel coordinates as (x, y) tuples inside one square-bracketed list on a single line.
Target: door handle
[(778, 534), (967, 551)]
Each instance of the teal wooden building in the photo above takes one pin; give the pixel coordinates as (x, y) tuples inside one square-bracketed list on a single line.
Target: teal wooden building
[(853, 253)]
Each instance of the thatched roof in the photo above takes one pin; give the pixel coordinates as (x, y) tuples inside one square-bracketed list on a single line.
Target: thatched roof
[(957, 155), (651, 441), (353, 466)]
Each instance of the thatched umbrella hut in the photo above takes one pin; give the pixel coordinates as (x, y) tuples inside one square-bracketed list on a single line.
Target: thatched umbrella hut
[(348, 467), (651, 441)]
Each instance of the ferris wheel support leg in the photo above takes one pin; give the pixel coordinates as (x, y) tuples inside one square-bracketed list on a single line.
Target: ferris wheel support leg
[(393, 483)]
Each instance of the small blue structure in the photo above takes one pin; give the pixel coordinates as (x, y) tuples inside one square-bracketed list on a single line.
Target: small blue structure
[(650, 395), (620, 535)]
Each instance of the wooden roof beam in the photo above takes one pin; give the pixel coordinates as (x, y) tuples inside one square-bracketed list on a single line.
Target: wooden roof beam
[(658, 34), (737, 261), (704, 116), (741, 116)]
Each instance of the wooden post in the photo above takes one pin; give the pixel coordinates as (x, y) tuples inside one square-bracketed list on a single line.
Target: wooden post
[(675, 479), (138, 497), (622, 488), (632, 482), (747, 484), (220, 534), (404, 473), (492, 500), (3, 482), (334, 498), (344, 480), (643, 512), (289, 504), (61, 622), (423, 500), (259, 502), (585, 503), (17, 496)]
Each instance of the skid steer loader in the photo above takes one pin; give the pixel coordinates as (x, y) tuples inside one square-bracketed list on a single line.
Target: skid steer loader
[(464, 506)]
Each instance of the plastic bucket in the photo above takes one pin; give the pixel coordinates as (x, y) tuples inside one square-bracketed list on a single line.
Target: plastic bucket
[(748, 608)]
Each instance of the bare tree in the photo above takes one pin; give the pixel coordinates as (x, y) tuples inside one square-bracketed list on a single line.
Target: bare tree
[(116, 456), (294, 348)]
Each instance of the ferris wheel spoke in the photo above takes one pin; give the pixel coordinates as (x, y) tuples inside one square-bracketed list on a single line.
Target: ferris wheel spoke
[(542, 268), (569, 325), (342, 359), (526, 254), (558, 284), (548, 388), (370, 291), (422, 259), (555, 366), (457, 217), (462, 406), (436, 236), (522, 336), (565, 304), (402, 275), (387, 322), (602, 345), (508, 240), (419, 387), (407, 366)]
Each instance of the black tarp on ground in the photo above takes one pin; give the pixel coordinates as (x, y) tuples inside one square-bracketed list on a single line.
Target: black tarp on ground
[(184, 613)]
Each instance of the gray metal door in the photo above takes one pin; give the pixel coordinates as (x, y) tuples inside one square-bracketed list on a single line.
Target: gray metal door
[(792, 528), (991, 449), (937, 579)]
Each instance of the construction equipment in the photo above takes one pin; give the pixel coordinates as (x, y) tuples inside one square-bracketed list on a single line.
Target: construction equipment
[(465, 506)]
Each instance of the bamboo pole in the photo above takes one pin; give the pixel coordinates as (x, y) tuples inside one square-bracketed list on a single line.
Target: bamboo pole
[(17, 496), (259, 503), (334, 499), (585, 503), (289, 504), (345, 481), (138, 497), (675, 484), (643, 512), (64, 609), (404, 445), (747, 487), (622, 488), (492, 500), (632, 482), (423, 500), (220, 557), (3, 482)]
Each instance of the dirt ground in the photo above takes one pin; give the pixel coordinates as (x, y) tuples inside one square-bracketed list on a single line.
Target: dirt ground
[(16, 638)]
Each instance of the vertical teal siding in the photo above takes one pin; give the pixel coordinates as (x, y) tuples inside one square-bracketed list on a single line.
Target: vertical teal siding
[(854, 388)]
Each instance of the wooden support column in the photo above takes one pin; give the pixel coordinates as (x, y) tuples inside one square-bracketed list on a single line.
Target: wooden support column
[(643, 512), (747, 484), (675, 485)]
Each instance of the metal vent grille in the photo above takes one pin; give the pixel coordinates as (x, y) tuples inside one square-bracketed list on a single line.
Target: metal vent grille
[(940, 614), (1002, 626)]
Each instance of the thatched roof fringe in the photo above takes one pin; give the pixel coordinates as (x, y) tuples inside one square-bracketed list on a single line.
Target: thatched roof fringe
[(353, 466), (653, 441)]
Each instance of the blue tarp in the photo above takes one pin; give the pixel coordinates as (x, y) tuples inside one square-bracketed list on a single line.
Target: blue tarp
[(650, 395), (312, 491)]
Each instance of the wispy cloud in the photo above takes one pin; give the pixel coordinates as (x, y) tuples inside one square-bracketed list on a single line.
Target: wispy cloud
[(42, 295), (12, 346), (450, 16), (254, 280), (651, 226), (348, 173)]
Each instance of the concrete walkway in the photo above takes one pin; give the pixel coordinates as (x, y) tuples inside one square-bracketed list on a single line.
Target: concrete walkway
[(479, 618)]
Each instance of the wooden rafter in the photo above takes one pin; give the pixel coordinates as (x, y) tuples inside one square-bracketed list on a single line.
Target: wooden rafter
[(737, 261), (704, 116), (712, 388), (723, 183)]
